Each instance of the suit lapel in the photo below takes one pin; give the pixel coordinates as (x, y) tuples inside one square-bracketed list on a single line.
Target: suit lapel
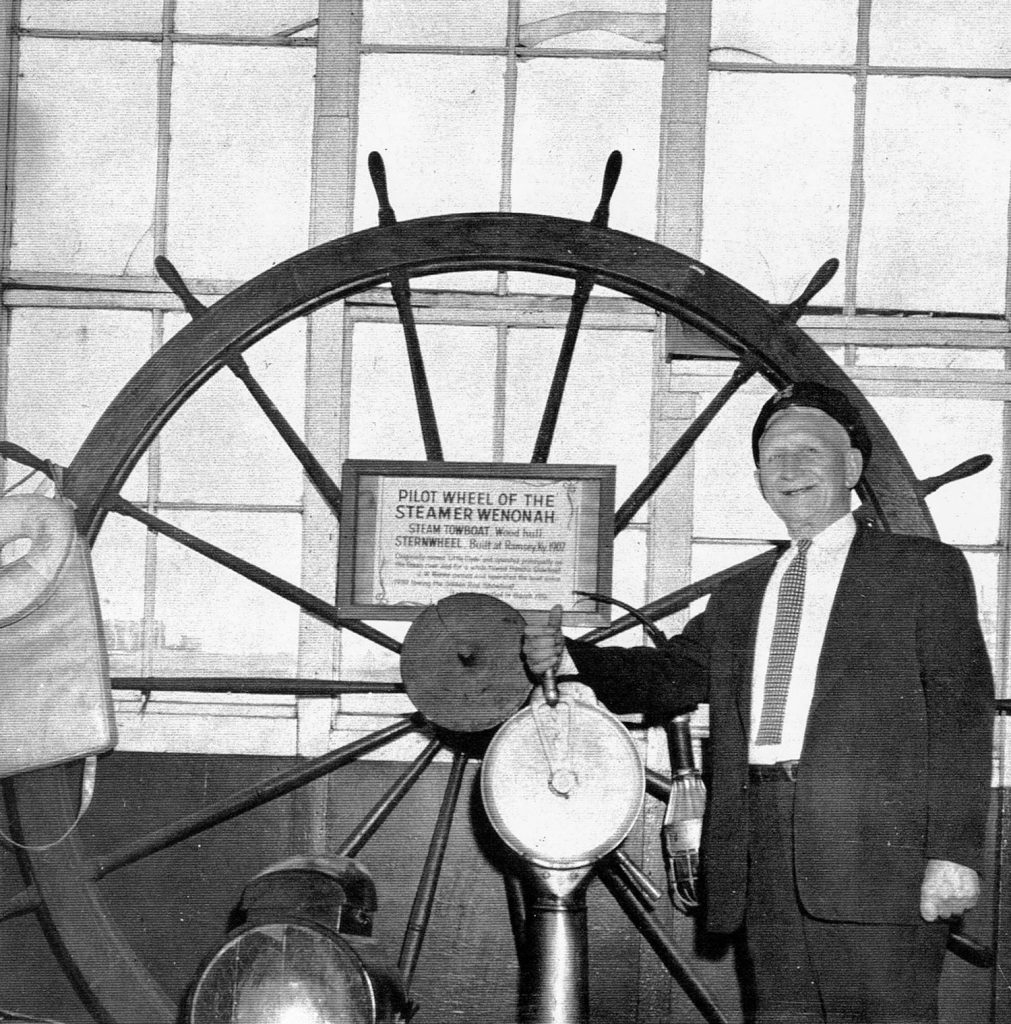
[(751, 596), (839, 632)]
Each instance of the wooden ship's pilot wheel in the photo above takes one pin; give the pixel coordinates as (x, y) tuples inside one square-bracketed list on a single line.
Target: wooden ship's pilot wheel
[(64, 883)]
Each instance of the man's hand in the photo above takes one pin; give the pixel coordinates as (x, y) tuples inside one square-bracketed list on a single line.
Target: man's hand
[(948, 890), (543, 643)]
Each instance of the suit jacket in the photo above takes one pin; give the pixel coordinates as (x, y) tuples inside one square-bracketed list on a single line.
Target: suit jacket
[(896, 761)]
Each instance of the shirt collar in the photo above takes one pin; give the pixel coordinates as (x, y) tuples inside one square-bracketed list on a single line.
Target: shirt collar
[(836, 537)]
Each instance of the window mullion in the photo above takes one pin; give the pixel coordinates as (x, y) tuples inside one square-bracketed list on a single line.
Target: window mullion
[(328, 339), (166, 61), (8, 105), (679, 225), (857, 195), (150, 635)]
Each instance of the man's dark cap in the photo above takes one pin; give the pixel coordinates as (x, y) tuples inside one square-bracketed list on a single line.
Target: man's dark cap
[(815, 396)]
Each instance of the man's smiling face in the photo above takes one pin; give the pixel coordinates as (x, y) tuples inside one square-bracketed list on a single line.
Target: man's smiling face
[(806, 468)]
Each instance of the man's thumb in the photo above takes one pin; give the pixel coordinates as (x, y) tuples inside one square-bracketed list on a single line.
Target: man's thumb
[(555, 616), (928, 908)]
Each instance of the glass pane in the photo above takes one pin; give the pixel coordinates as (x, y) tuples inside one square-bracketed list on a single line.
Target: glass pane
[(379, 703), (460, 366), (118, 559), (941, 33), (442, 147), (447, 23), (562, 145), (362, 659), (604, 416), (570, 115), (984, 568), (215, 622), (65, 367), (84, 168), (251, 17), (111, 15), (220, 447), (928, 241), (608, 25), (785, 31), (728, 502), (708, 559), (241, 151), (462, 281), (629, 575), (941, 357), (938, 432), (629, 583), (778, 151)]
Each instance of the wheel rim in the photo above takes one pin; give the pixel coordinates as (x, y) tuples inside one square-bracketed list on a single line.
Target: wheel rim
[(111, 978)]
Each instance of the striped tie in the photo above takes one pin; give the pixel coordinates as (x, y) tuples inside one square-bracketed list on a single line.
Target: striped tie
[(784, 645)]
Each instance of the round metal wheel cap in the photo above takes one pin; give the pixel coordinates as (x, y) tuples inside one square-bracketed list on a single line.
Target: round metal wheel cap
[(562, 786), (461, 662)]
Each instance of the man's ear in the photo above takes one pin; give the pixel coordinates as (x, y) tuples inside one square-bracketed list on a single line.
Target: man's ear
[(758, 483), (854, 467)]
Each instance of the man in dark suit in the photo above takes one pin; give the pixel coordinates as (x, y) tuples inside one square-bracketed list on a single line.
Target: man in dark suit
[(851, 704)]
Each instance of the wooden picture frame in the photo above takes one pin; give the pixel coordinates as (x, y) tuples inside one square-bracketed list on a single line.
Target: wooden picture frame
[(527, 533)]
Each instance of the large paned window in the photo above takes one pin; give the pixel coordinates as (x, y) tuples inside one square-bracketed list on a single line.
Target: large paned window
[(760, 136)]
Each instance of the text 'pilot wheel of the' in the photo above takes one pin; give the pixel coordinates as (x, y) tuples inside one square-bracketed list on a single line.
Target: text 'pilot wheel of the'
[(64, 883)]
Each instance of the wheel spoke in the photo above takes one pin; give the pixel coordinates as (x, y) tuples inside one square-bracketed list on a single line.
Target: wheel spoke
[(321, 479), (424, 898), (580, 296), (657, 785), (14, 452), (549, 418), (971, 950), (388, 802), (670, 956), (422, 396), (258, 684), (249, 798), (637, 881), (282, 588), (680, 448), (402, 297), (675, 601), (170, 275), (791, 313), (22, 902)]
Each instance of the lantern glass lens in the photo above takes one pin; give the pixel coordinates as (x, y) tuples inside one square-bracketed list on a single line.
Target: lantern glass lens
[(283, 974)]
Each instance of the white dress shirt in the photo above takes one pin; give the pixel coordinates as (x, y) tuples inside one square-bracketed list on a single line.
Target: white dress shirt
[(825, 559)]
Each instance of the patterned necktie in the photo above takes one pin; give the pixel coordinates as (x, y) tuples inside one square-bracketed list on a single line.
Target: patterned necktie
[(783, 647)]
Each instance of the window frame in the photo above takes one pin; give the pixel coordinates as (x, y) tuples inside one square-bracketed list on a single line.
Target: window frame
[(687, 68)]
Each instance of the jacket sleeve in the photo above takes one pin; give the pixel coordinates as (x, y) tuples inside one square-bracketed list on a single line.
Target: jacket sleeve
[(659, 683), (958, 688)]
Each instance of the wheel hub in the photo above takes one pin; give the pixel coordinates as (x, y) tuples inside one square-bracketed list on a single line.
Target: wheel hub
[(461, 662)]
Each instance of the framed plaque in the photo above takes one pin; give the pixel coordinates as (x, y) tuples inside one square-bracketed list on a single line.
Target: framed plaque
[(531, 535)]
